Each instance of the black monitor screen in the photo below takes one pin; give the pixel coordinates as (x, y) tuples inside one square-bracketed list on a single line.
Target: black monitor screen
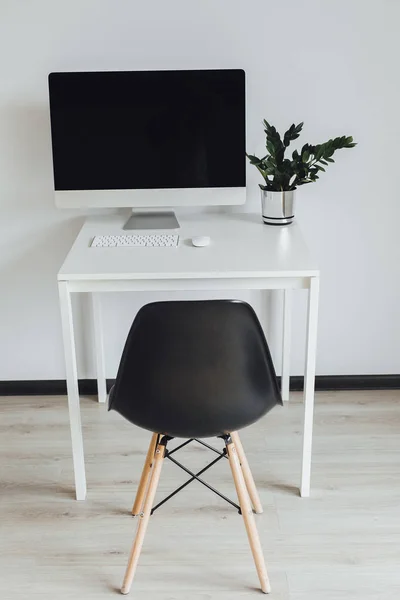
[(148, 129)]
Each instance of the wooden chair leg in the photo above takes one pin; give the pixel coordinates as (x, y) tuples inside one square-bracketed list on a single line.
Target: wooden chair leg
[(247, 474), (141, 491), (144, 519), (248, 517)]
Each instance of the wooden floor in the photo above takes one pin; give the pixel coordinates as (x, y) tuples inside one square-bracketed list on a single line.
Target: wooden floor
[(342, 543)]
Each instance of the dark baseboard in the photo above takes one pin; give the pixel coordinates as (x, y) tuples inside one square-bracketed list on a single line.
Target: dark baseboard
[(326, 383), (88, 387), (48, 387)]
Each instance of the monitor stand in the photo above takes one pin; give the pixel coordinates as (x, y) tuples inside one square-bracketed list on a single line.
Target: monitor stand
[(152, 220)]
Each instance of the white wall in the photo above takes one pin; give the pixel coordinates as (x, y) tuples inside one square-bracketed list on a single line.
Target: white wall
[(332, 64)]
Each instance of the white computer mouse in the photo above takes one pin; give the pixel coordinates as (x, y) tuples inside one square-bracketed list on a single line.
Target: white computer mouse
[(200, 241)]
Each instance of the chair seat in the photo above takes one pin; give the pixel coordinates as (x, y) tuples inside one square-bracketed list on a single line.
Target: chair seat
[(185, 427)]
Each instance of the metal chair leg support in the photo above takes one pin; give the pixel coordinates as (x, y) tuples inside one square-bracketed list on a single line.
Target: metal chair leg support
[(195, 476), (181, 487)]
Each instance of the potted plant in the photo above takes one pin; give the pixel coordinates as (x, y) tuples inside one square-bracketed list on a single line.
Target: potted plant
[(283, 176)]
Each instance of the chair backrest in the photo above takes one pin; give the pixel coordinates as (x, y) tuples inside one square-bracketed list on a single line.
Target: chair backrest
[(195, 369)]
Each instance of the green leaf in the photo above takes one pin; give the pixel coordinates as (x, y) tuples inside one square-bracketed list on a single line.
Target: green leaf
[(329, 159), (319, 151), (270, 147), (279, 155), (290, 135), (254, 160)]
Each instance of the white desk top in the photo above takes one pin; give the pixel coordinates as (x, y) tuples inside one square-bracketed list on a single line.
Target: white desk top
[(241, 246)]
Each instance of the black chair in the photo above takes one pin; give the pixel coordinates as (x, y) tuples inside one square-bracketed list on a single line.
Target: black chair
[(195, 369)]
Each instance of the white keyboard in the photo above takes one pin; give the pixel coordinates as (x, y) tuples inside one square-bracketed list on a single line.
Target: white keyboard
[(158, 240)]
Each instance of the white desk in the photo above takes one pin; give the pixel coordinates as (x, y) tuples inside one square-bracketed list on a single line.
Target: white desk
[(243, 254)]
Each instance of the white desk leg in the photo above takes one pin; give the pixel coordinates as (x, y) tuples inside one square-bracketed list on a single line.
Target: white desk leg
[(99, 348), (286, 343), (72, 390), (309, 384)]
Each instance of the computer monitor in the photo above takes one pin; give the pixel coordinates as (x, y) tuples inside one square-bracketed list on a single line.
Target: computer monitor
[(148, 138)]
